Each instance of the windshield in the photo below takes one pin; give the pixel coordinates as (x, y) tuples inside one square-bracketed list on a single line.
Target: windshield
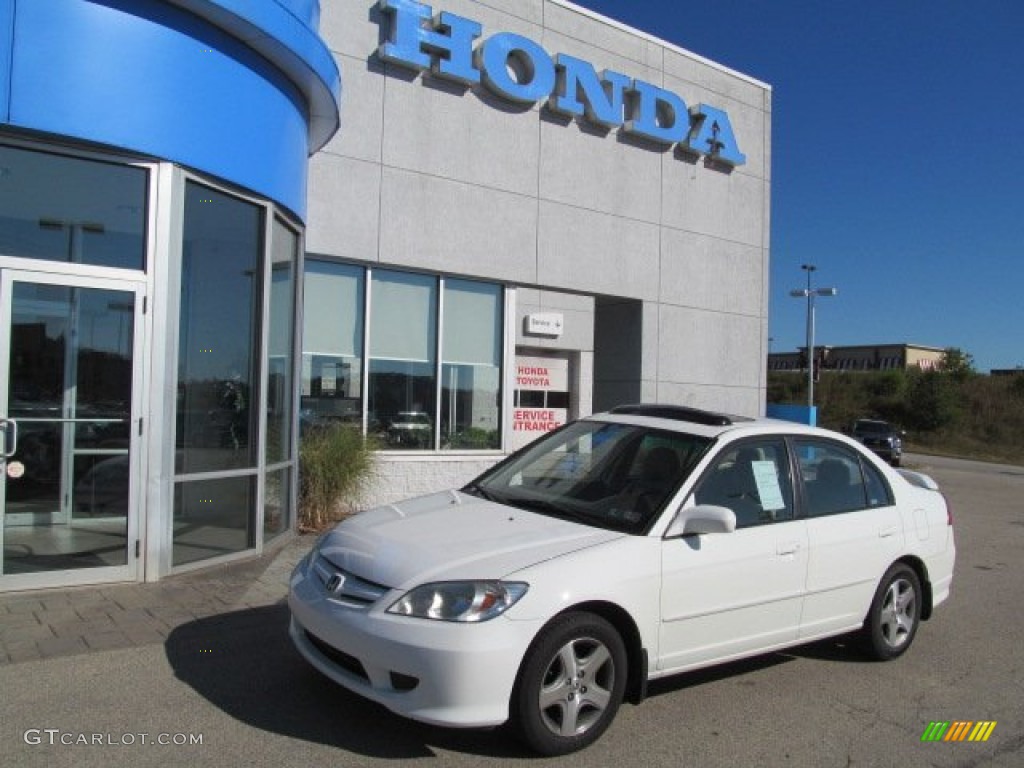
[(616, 476), (875, 427)]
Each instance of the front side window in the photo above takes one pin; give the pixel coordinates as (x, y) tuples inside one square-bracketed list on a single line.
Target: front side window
[(752, 479), (72, 210), (835, 479), (616, 476)]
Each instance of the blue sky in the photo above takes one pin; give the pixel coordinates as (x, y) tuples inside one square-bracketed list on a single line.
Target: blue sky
[(897, 160)]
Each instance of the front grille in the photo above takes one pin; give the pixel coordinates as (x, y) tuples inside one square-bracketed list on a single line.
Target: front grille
[(345, 661), (345, 587)]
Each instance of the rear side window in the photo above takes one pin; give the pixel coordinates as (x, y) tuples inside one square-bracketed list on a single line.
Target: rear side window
[(879, 493), (836, 479)]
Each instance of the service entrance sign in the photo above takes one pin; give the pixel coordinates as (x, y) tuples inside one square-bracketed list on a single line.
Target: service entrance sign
[(536, 377)]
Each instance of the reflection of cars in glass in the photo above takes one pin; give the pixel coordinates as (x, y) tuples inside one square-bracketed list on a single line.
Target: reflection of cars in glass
[(103, 490), (881, 437), (621, 548), (410, 428)]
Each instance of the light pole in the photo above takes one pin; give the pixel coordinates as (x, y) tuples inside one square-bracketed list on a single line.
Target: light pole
[(809, 293)]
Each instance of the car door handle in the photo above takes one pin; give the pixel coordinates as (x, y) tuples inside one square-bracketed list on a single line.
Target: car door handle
[(787, 547), (884, 533)]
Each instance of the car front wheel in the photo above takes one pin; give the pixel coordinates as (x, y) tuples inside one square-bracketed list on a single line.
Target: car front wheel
[(570, 685), (895, 613)]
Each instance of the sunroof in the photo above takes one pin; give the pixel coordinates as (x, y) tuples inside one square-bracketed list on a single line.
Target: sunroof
[(678, 413)]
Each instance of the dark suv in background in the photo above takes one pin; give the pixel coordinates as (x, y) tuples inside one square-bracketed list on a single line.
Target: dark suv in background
[(881, 437)]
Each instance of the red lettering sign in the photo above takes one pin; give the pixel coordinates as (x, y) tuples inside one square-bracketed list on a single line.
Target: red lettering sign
[(535, 420)]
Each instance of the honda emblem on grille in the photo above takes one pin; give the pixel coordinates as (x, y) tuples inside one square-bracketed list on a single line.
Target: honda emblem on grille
[(334, 583)]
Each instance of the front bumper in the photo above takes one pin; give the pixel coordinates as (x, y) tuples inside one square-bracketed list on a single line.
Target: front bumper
[(437, 672)]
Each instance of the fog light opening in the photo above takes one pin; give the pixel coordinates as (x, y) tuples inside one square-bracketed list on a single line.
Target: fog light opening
[(402, 682)]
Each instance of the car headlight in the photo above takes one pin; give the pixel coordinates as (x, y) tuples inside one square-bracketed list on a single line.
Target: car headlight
[(463, 601)]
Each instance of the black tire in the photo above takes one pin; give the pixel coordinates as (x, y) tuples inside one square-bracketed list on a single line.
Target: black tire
[(895, 614), (570, 684)]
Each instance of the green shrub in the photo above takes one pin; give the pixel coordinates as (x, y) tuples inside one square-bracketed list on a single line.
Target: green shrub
[(1016, 387), (335, 463), (934, 401), (474, 438)]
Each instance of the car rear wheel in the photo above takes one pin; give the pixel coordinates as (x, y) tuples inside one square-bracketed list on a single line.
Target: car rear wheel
[(570, 685), (895, 613)]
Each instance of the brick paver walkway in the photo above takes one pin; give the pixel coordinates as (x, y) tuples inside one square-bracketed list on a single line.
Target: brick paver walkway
[(61, 622)]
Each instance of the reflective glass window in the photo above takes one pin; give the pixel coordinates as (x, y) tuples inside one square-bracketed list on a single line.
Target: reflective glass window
[(280, 360), (213, 518), (471, 365), (277, 504), (403, 355), (332, 341), (219, 332), (72, 210)]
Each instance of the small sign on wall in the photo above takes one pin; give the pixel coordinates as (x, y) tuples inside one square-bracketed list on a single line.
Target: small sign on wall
[(545, 324)]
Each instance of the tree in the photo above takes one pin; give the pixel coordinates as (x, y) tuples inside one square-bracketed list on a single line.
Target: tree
[(957, 363), (933, 401)]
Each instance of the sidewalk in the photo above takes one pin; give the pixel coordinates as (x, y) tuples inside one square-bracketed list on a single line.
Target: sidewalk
[(64, 622)]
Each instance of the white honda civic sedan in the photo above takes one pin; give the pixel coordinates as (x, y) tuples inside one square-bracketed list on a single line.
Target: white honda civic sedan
[(624, 547)]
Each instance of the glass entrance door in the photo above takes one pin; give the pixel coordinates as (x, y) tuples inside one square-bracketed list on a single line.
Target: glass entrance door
[(69, 426)]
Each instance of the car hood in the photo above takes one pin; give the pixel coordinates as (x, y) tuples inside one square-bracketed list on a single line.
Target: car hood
[(451, 535)]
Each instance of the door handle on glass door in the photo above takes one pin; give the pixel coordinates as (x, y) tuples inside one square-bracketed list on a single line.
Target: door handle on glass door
[(10, 429)]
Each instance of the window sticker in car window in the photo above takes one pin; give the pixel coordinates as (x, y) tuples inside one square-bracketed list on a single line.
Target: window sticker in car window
[(767, 478)]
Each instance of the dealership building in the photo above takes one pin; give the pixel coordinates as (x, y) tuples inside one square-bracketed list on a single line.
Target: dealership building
[(224, 223)]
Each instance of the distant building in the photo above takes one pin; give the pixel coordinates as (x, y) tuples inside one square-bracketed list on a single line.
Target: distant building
[(1018, 371), (868, 357)]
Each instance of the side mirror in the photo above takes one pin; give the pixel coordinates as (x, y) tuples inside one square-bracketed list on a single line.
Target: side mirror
[(704, 518)]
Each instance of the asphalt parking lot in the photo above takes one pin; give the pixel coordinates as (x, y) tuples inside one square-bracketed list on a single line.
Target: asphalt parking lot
[(232, 682)]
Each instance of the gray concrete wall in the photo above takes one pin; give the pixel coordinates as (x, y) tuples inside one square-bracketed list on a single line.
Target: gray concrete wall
[(426, 174)]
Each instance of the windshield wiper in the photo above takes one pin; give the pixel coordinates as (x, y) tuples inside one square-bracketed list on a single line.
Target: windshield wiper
[(476, 489)]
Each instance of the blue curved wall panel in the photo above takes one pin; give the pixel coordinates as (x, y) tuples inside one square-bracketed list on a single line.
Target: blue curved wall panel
[(228, 87)]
